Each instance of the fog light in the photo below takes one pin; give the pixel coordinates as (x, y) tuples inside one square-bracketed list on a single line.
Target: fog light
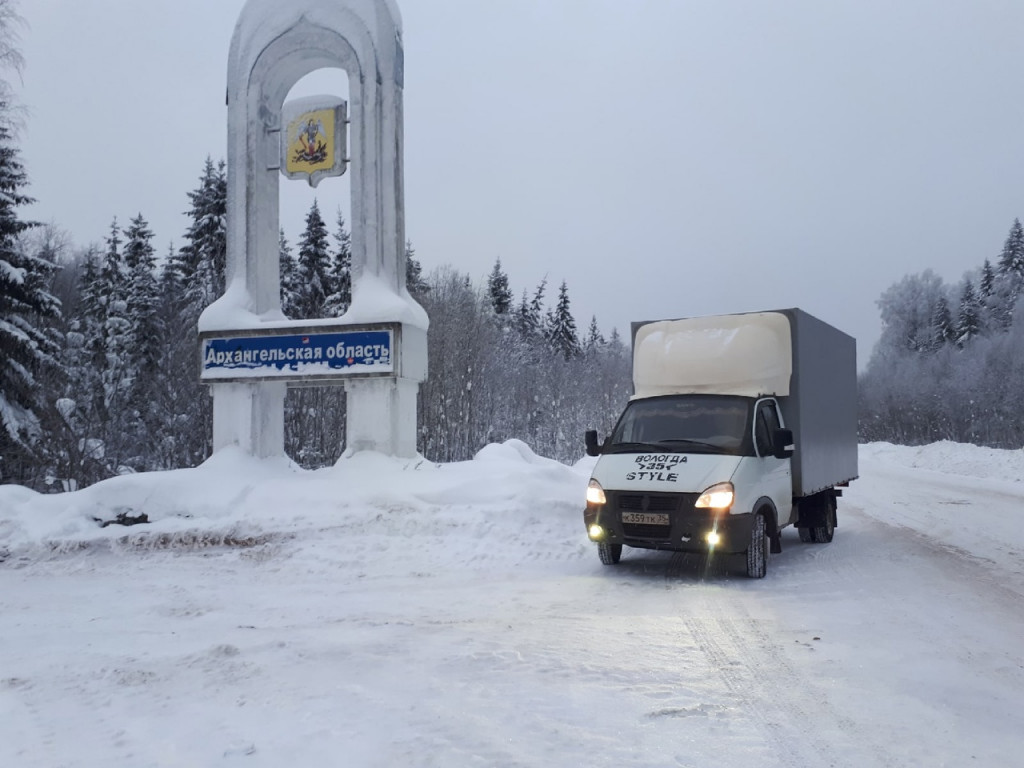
[(596, 533), (713, 538)]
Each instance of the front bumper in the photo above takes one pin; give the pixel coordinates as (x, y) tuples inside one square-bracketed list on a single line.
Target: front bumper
[(688, 526)]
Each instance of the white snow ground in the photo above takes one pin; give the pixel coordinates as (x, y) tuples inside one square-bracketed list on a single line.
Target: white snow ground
[(382, 613)]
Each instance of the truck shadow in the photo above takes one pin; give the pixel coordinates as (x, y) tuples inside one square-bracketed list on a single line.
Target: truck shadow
[(691, 567), (680, 566)]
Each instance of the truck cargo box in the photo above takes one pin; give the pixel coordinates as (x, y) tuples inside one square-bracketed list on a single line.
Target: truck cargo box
[(809, 366)]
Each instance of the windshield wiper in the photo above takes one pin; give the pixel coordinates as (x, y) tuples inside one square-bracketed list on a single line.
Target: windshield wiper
[(626, 447), (687, 441)]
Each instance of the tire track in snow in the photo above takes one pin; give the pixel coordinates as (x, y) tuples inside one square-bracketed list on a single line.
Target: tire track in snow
[(735, 671), (894, 577), (31, 733), (990, 576), (788, 708), (732, 662)]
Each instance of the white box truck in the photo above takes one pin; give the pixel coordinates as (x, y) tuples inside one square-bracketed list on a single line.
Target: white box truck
[(739, 426)]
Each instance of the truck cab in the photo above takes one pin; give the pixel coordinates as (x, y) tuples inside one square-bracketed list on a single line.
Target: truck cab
[(687, 472)]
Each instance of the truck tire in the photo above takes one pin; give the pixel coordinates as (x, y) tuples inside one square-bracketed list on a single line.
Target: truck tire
[(806, 534), (823, 534), (757, 552), (609, 553)]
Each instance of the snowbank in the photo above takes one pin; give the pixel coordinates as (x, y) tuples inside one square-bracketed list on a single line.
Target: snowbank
[(235, 497), (952, 459)]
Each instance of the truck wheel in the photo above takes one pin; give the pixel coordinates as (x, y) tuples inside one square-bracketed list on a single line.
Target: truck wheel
[(609, 553), (806, 534), (757, 552), (823, 533)]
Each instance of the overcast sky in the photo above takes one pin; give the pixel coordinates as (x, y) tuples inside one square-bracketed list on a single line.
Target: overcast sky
[(667, 158)]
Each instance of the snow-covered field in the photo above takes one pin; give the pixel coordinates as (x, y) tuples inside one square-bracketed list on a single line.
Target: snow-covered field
[(386, 613)]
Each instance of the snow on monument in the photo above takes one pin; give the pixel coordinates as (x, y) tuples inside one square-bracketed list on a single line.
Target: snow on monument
[(250, 352)]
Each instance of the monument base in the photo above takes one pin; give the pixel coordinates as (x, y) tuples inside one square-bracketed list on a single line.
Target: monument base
[(381, 416), (250, 416)]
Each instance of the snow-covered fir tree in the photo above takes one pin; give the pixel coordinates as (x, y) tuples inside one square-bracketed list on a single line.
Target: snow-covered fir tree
[(561, 327), (520, 313), (90, 304), (28, 311), (289, 276), (595, 341), (988, 279), (616, 345), (313, 267), (80, 427), (968, 319), (116, 327), (943, 327), (146, 342), (145, 335), (1009, 282), (1011, 260), (102, 394), (414, 282), (341, 271), (89, 325), (529, 319), (200, 263), (11, 61), (112, 273), (498, 292), (195, 274)]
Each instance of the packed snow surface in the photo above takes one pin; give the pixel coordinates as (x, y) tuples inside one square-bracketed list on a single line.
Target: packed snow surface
[(402, 613)]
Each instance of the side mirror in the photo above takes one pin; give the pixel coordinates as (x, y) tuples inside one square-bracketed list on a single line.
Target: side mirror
[(590, 438), (782, 443)]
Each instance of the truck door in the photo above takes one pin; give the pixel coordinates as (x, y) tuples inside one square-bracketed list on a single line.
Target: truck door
[(777, 473)]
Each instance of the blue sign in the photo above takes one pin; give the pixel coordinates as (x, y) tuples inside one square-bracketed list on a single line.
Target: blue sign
[(298, 356)]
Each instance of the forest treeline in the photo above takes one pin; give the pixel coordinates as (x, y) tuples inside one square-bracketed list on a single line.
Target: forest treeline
[(950, 361)]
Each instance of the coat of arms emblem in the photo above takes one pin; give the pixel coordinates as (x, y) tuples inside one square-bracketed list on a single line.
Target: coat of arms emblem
[(313, 141)]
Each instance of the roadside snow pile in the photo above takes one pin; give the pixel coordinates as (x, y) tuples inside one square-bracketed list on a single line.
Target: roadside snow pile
[(951, 458), (234, 499), (956, 497)]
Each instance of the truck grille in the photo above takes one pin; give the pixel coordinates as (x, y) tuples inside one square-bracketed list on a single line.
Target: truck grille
[(654, 503), (671, 503)]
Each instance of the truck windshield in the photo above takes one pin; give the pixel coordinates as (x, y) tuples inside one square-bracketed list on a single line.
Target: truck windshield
[(686, 424)]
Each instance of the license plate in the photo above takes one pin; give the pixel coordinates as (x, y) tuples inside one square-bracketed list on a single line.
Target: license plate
[(645, 518)]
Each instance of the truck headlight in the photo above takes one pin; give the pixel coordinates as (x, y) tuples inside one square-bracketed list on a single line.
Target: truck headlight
[(718, 496), (595, 493)]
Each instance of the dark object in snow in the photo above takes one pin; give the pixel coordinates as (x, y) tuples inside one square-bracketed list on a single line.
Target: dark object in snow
[(123, 518)]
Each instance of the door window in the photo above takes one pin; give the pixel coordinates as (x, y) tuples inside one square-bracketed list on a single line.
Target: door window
[(765, 424)]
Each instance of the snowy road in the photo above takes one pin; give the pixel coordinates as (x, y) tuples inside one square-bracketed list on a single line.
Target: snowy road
[(430, 635)]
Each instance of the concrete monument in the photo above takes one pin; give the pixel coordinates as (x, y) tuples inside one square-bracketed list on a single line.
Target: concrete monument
[(377, 349)]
